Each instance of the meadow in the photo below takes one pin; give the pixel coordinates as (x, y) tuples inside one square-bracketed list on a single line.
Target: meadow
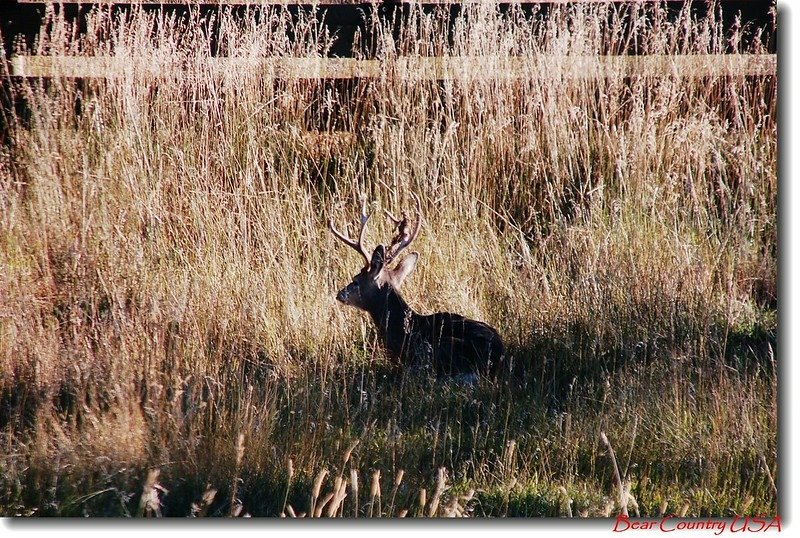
[(170, 343)]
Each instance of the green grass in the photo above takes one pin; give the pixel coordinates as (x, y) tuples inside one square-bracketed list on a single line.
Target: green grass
[(167, 279)]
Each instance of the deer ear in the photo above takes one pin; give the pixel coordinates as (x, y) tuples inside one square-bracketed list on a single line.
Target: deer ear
[(403, 269), (378, 258)]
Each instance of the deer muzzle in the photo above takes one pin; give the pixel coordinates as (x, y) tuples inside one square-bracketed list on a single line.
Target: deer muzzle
[(343, 295)]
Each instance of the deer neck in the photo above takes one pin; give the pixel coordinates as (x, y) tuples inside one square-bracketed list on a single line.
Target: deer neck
[(393, 317)]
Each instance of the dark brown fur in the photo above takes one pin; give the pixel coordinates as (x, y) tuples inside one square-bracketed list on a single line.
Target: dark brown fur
[(448, 344)]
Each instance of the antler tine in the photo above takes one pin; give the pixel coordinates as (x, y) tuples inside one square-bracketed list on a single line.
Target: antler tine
[(363, 230), (403, 237), (357, 246), (394, 219)]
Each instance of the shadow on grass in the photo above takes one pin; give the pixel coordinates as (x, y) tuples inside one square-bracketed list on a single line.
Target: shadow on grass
[(515, 440)]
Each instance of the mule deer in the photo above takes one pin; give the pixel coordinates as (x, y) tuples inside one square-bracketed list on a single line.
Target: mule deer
[(447, 343)]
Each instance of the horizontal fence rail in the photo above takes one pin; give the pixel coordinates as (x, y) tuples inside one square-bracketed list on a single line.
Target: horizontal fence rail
[(412, 68), (258, 2), (342, 2)]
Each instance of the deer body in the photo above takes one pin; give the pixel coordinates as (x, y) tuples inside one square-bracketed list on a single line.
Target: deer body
[(448, 344)]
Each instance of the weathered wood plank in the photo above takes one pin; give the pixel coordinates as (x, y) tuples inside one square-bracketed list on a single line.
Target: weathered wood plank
[(337, 2), (412, 68), (214, 2)]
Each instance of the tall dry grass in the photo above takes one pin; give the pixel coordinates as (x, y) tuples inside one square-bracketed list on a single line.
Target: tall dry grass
[(168, 281)]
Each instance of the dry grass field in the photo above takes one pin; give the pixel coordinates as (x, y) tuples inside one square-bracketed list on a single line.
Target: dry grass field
[(170, 341)]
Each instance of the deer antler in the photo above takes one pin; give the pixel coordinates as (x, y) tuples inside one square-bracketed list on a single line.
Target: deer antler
[(357, 246), (404, 237)]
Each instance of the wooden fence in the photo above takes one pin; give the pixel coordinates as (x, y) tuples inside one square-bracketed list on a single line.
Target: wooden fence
[(340, 2), (412, 68)]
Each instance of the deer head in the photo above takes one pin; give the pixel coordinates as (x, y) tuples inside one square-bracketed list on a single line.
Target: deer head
[(377, 278)]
